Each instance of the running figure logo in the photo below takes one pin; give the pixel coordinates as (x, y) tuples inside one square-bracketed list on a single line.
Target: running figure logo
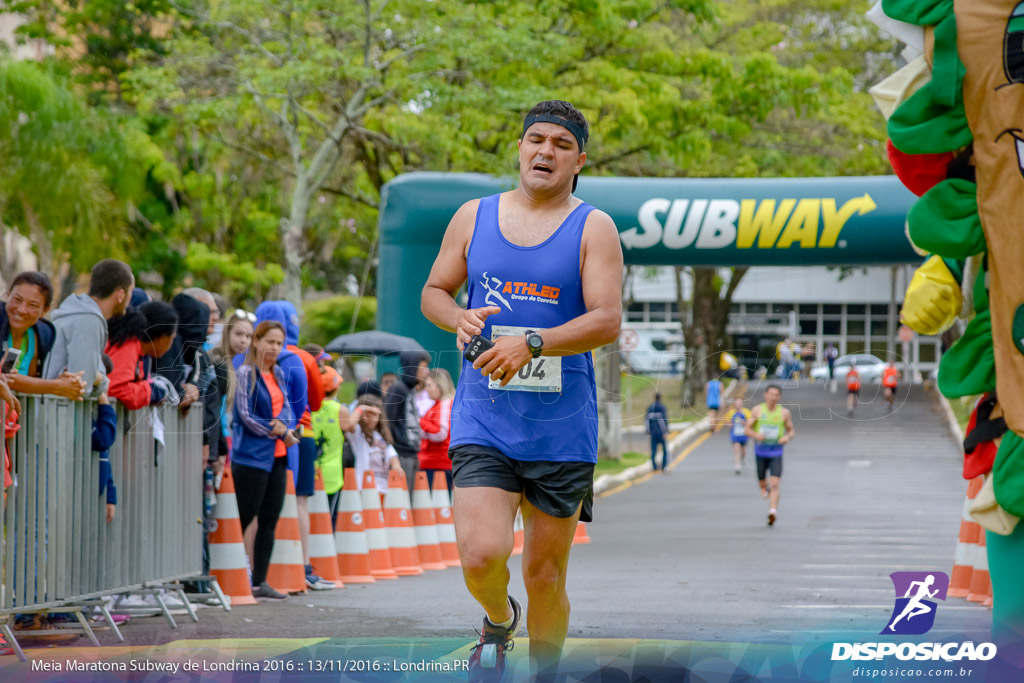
[(914, 613), (493, 286)]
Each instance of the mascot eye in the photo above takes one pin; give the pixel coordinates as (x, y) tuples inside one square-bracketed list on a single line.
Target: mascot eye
[(1013, 46)]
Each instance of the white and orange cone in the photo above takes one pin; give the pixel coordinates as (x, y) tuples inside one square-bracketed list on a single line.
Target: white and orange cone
[(425, 526), (405, 558), (966, 545), (376, 535), (518, 534), (322, 554), (287, 572), (350, 537), (228, 561), (981, 585), (581, 538), (445, 522)]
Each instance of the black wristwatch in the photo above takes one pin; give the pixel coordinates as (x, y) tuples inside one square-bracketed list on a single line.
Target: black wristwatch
[(535, 343)]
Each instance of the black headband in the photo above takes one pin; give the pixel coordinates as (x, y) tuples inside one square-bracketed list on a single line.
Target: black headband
[(576, 129)]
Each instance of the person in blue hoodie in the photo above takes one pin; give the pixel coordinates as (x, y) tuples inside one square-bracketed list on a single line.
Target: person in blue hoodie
[(261, 436), (304, 375)]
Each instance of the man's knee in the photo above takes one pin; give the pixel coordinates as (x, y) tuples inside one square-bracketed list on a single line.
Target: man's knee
[(483, 560), (545, 576)]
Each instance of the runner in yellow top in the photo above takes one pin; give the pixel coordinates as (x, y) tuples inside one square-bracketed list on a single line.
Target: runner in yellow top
[(771, 427)]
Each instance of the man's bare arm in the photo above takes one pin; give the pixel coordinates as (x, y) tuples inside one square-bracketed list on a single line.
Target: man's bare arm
[(448, 274), (790, 429), (602, 293), (755, 415)]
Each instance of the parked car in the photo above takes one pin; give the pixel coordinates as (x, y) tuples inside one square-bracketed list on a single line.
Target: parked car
[(869, 366)]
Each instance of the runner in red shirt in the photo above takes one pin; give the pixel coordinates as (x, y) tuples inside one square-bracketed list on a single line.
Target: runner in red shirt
[(852, 389), (890, 379)]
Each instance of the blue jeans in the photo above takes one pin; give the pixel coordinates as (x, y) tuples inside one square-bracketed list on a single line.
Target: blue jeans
[(655, 442)]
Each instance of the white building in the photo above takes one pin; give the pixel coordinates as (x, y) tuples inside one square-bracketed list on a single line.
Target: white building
[(852, 310)]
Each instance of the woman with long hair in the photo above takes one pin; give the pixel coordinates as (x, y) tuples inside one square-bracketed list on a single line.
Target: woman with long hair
[(23, 327), (147, 330), (370, 439), (261, 436), (236, 336), (435, 427)]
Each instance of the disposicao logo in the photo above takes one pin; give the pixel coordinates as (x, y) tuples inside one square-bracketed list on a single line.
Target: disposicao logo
[(914, 614)]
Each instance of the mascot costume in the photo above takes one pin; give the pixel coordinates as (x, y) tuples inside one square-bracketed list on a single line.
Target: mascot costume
[(956, 139)]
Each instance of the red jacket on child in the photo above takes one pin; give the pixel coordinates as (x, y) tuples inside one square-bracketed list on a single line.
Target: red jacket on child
[(436, 425), (128, 381)]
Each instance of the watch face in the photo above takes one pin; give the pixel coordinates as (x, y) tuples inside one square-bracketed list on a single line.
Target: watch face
[(534, 341)]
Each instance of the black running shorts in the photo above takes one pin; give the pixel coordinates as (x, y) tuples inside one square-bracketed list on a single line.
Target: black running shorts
[(554, 488), (772, 466)]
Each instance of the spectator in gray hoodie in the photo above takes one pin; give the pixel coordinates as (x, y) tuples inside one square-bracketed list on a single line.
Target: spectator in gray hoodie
[(81, 325)]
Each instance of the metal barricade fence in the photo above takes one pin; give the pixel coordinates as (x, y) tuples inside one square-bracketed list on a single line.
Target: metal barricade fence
[(58, 547)]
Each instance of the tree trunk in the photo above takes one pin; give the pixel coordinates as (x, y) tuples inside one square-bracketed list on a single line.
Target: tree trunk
[(10, 254), (705, 336), (293, 237), (607, 361)]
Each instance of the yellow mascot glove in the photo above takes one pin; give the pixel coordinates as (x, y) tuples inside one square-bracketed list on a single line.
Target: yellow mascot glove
[(933, 298)]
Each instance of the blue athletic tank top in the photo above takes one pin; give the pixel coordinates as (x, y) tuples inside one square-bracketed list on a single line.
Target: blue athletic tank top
[(538, 288)]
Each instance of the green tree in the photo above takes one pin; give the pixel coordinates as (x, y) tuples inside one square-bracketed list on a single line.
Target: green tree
[(63, 169)]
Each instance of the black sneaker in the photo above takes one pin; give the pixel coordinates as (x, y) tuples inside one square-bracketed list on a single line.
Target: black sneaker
[(487, 658), (771, 518), (265, 591)]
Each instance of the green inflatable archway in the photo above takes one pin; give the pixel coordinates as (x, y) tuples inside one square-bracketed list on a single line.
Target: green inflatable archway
[(661, 221)]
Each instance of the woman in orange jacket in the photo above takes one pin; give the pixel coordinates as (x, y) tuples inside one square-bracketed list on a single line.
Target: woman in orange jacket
[(141, 333)]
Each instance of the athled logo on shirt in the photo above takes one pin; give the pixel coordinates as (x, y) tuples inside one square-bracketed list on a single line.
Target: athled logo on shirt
[(499, 293)]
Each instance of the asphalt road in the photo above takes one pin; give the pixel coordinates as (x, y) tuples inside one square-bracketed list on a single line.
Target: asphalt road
[(688, 555)]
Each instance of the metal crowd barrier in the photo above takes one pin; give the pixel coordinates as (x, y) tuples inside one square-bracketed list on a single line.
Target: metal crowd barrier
[(58, 550)]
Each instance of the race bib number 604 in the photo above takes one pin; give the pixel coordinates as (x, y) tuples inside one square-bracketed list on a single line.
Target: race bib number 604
[(540, 374)]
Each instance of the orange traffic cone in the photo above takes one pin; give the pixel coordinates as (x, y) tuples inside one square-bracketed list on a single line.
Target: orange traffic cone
[(228, 561), (425, 526), (581, 537), (980, 582), (966, 546), (350, 538), (373, 518), (322, 554), (405, 559), (445, 522), (518, 534), (287, 572)]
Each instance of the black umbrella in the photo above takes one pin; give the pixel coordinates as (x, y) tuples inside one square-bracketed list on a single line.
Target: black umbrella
[(372, 343)]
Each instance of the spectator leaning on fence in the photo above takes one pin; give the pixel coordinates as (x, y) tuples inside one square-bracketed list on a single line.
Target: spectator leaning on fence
[(148, 330), (104, 432), (22, 326), (435, 427), (202, 372), (261, 436), (81, 323)]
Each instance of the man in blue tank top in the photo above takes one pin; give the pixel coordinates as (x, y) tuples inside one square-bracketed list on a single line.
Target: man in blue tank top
[(544, 276)]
